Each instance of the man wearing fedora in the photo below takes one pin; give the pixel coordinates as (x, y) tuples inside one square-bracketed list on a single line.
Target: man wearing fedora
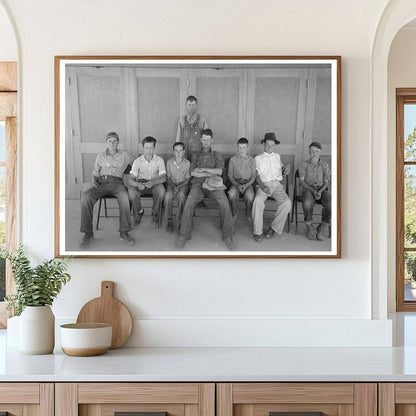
[(269, 174), (314, 177), (206, 170)]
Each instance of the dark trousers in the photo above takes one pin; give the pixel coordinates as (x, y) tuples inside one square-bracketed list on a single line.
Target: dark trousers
[(248, 197), (196, 195), (92, 195), (157, 191), (309, 201), (168, 202)]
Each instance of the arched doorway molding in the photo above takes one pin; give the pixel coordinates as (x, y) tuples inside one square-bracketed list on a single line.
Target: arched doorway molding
[(396, 14)]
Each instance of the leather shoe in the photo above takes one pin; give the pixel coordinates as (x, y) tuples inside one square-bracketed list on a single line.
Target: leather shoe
[(258, 238), (138, 218), (126, 238), (311, 232), (270, 233), (181, 242), (230, 243), (320, 232), (86, 240)]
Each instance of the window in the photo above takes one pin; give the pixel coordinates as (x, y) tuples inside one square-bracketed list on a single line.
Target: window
[(2, 206), (406, 199)]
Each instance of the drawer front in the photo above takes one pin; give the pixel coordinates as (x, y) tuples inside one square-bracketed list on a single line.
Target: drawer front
[(145, 399), (296, 399)]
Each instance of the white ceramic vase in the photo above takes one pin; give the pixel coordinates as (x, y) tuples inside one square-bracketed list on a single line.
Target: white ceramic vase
[(37, 330)]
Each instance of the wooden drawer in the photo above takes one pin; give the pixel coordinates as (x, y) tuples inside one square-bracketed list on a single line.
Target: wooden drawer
[(104, 399), (27, 399), (332, 399)]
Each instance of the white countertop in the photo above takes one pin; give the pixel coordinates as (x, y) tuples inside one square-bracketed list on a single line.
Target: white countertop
[(213, 364)]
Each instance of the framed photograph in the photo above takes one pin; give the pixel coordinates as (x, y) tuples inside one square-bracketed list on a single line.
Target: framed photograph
[(197, 156)]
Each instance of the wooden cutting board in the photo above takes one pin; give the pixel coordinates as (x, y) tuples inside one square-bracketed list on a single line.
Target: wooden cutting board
[(107, 309)]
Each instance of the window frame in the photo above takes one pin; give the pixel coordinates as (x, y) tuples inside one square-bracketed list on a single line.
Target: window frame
[(8, 112), (403, 96)]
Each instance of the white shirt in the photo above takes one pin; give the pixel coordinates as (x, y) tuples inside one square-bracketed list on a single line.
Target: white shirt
[(142, 169), (269, 167)]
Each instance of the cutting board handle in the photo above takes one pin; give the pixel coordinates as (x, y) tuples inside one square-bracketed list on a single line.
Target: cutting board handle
[(107, 289)]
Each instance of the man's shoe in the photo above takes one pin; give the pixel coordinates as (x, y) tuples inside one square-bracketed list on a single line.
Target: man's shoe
[(258, 238), (126, 238), (320, 232), (181, 243), (169, 227), (270, 233), (230, 243), (155, 219), (85, 240), (311, 232), (138, 218)]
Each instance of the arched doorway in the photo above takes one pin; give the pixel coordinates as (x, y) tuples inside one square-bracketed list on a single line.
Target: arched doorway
[(396, 15)]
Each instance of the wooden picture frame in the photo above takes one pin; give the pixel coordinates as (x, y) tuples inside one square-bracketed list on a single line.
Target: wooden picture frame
[(297, 98)]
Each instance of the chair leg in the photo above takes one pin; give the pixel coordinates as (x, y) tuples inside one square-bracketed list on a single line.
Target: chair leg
[(296, 217), (105, 207), (161, 213), (98, 215)]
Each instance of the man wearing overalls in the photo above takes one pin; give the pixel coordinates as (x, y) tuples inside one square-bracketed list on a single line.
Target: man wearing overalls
[(190, 128)]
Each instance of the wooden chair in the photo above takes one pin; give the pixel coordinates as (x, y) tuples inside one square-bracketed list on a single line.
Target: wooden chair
[(297, 198), (107, 208)]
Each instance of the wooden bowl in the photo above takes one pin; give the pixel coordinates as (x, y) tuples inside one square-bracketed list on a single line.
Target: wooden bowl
[(84, 340)]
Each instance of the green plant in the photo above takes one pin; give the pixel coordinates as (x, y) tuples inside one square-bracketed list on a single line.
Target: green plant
[(35, 286)]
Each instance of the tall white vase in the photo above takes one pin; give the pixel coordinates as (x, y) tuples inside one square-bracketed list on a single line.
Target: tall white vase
[(37, 330)]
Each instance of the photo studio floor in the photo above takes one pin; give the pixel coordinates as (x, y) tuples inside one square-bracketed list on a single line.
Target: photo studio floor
[(206, 234)]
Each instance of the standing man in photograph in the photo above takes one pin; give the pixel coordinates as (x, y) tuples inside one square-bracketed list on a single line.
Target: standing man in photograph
[(241, 174), (107, 180), (270, 171), (190, 127), (314, 177), (207, 164), (147, 176), (178, 176)]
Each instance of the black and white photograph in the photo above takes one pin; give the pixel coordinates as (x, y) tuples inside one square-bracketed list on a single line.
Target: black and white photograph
[(197, 156)]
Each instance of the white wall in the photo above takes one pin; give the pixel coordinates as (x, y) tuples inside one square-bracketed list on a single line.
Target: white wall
[(211, 302), (401, 74), (8, 46)]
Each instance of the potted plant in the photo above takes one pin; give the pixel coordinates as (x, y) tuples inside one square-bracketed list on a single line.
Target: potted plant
[(36, 289)]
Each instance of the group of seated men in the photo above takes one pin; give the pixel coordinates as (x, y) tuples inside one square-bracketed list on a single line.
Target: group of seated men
[(254, 179)]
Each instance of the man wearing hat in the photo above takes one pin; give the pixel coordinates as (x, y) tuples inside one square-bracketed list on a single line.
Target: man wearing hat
[(206, 170), (107, 175), (314, 177), (269, 174)]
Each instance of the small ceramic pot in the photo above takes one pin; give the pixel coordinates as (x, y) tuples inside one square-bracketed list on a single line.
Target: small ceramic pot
[(87, 339), (37, 330)]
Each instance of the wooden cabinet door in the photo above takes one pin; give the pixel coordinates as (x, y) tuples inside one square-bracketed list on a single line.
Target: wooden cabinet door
[(27, 399), (296, 399), (106, 399), (397, 399)]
